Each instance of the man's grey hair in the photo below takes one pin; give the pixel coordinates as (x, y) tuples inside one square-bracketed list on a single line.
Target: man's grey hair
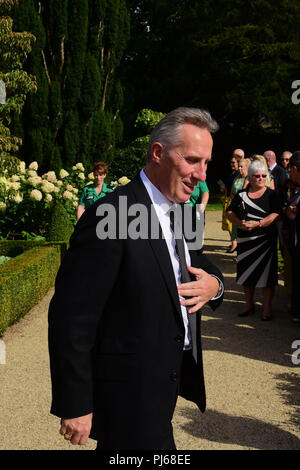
[(168, 130), (256, 166)]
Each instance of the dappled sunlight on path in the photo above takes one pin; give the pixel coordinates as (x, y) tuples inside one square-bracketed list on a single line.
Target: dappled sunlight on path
[(253, 388)]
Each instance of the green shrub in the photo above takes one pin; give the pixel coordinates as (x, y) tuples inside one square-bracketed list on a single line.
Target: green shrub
[(13, 248), (60, 227), (25, 280)]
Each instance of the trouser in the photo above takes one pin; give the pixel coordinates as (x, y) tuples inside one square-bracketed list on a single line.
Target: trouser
[(295, 298)]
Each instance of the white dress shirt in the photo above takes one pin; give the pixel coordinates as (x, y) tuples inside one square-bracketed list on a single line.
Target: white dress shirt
[(162, 206)]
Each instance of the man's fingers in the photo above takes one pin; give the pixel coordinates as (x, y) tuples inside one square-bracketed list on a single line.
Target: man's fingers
[(83, 440), (197, 271), (76, 430), (185, 292)]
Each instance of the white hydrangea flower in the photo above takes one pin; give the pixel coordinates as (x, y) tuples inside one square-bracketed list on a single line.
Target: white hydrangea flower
[(22, 167), (32, 173), (91, 176), (63, 173), (51, 176), (48, 197), (14, 178), (59, 182), (33, 166), (75, 190), (56, 189), (79, 166), (16, 186), (2, 207), (75, 204), (124, 180), (36, 195), (34, 180), (17, 198), (47, 187), (74, 167), (69, 187), (81, 176), (67, 195)]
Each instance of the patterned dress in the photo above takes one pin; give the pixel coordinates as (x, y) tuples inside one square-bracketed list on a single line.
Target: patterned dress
[(257, 250)]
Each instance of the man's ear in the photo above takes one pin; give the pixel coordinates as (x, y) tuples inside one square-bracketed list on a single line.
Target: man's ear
[(157, 152)]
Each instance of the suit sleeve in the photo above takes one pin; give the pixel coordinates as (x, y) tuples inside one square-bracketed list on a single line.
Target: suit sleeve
[(82, 289)]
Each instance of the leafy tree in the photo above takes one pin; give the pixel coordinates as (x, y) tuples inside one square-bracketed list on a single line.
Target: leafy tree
[(238, 58), (129, 160), (14, 48), (75, 115)]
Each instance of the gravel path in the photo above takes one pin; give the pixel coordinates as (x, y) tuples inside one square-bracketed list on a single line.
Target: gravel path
[(253, 388)]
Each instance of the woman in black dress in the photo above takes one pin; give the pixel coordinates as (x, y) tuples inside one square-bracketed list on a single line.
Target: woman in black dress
[(254, 210)]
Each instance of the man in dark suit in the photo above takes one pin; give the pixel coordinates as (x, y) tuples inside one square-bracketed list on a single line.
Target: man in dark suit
[(124, 330), (276, 172), (293, 212)]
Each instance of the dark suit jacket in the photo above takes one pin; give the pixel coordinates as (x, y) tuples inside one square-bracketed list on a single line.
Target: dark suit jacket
[(116, 333), (279, 175)]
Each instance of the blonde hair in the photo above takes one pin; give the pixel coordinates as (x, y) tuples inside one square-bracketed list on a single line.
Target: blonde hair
[(247, 161)]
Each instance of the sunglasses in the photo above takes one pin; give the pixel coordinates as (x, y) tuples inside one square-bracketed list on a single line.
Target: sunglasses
[(260, 176)]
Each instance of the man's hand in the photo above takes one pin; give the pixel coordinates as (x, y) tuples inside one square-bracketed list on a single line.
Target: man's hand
[(292, 212), (77, 430), (201, 291)]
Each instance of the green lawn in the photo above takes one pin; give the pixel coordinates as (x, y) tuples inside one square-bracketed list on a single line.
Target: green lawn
[(214, 206)]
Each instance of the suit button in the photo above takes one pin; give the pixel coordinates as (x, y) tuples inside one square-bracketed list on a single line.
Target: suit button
[(173, 377), (179, 339)]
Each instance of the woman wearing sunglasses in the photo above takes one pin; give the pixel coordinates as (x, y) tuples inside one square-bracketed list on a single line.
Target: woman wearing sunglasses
[(254, 210)]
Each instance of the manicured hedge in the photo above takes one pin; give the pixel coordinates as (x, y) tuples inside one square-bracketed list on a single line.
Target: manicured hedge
[(25, 280), (14, 248)]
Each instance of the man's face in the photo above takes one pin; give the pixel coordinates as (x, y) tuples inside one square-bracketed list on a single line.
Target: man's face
[(234, 164), (270, 159), (285, 161), (184, 166), (294, 174)]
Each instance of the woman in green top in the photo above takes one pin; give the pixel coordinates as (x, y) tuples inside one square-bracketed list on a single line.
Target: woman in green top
[(200, 196), (92, 192)]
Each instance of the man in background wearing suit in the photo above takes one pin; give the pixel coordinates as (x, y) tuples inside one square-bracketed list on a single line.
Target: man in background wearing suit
[(285, 160), (276, 172), (124, 322)]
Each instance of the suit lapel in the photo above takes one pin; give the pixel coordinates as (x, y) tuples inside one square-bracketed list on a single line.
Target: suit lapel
[(159, 245)]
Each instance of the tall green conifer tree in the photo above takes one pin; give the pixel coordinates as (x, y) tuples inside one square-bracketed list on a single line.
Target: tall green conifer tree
[(75, 113)]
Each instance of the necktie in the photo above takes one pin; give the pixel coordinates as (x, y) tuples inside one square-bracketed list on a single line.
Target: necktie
[(176, 217)]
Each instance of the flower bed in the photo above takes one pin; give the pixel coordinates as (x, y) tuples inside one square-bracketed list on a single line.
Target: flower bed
[(26, 198)]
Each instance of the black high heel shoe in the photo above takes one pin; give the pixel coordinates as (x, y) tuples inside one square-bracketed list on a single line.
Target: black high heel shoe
[(231, 250), (248, 312)]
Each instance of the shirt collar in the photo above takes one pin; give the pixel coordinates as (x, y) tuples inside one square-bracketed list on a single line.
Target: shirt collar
[(158, 199), (271, 168)]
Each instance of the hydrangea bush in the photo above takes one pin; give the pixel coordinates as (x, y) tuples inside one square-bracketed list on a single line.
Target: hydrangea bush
[(26, 198)]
